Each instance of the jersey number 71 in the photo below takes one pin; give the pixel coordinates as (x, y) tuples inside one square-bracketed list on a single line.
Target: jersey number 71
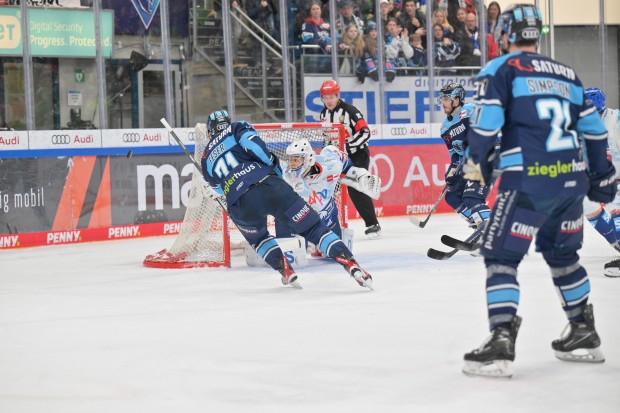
[(224, 164)]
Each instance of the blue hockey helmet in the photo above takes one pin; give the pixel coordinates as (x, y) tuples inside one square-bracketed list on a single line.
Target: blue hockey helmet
[(452, 90), (597, 96), (521, 22), (217, 121)]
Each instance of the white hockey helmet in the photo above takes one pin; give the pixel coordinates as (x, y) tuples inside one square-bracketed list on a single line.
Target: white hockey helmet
[(299, 149)]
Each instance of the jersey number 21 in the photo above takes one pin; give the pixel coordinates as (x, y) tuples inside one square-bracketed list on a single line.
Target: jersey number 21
[(560, 138)]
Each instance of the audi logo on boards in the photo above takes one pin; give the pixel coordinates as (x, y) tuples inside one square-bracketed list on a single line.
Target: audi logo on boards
[(191, 136), (398, 131), (131, 137), (61, 139)]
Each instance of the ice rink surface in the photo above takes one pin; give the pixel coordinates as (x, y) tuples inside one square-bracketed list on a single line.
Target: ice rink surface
[(86, 328)]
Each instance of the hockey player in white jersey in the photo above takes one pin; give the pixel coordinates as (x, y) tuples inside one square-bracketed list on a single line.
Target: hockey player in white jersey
[(315, 178), (606, 219)]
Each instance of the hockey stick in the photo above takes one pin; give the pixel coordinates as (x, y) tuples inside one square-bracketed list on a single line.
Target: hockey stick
[(422, 224), (196, 164), (459, 244), (441, 255)]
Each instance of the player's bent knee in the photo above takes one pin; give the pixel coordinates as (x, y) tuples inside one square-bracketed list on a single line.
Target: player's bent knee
[(301, 217), (453, 200)]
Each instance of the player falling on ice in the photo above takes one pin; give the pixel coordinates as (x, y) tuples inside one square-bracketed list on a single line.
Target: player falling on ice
[(606, 219), (237, 164), (315, 178)]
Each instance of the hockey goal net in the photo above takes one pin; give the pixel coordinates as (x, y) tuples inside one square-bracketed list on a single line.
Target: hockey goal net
[(207, 235)]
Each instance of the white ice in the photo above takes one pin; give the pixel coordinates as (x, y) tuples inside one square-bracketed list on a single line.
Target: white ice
[(87, 328)]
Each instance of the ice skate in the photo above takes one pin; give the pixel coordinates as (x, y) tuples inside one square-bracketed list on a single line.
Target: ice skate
[(362, 277), (612, 268), (288, 274), (579, 341), (495, 356), (373, 231), (315, 252)]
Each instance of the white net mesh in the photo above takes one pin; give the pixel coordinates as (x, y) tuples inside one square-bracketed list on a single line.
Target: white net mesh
[(206, 234)]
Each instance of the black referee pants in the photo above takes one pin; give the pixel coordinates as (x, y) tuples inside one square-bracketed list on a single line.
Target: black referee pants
[(363, 203)]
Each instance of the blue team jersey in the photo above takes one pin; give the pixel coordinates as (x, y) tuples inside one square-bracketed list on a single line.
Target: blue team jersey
[(454, 132), (236, 158), (539, 107)]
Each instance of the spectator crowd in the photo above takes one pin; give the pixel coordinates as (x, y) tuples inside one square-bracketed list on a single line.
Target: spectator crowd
[(455, 36), (456, 46)]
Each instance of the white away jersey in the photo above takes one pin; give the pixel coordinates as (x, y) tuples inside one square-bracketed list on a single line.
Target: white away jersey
[(318, 187), (611, 119)]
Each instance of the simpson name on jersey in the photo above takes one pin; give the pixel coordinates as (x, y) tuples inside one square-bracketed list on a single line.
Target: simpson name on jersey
[(540, 124)]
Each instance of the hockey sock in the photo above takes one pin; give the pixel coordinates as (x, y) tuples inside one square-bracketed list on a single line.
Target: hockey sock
[(331, 245), (269, 251), (502, 294), (464, 212), (603, 223), (615, 219), (479, 213), (572, 284)]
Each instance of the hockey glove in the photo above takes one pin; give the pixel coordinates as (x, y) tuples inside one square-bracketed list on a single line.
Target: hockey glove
[(603, 186), (473, 172), (210, 193), (361, 180), (275, 162), (451, 175)]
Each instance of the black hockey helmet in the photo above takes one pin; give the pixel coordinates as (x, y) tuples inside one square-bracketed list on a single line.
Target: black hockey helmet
[(217, 121), (453, 90), (521, 22)]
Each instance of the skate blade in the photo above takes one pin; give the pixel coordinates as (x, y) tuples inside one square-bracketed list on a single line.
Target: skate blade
[(361, 281), (495, 369), (582, 355), (368, 284), (374, 235), (295, 283), (612, 272)]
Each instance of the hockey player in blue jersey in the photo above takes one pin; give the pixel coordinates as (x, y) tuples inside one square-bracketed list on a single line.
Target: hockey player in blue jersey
[(539, 106), (237, 164), (466, 197), (606, 219)]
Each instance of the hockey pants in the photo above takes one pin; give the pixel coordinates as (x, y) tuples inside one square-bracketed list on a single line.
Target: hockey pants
[(557, 224), (273, 196)]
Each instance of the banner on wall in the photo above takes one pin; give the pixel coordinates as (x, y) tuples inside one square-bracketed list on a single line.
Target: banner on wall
[(47, 201), (53, 190), (139, 17), (55, 32), (67, 193), (406, 98)]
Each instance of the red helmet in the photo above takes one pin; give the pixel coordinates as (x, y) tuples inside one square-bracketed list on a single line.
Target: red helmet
[(330, 87)]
